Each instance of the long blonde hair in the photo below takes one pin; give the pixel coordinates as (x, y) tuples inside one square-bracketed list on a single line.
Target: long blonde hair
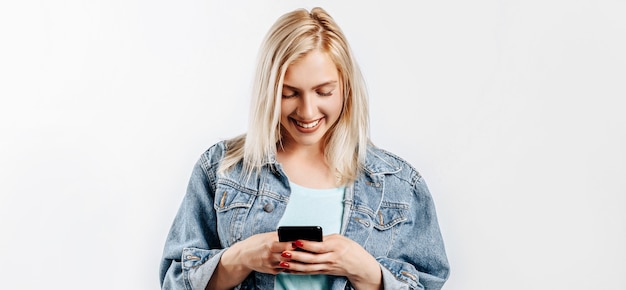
[(292, 36)]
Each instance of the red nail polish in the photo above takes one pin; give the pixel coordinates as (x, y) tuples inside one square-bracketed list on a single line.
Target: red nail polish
[(297, 244), (286, 255), (284, 264)]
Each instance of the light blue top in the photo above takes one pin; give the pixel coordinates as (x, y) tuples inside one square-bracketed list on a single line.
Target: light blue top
[(311, 207)]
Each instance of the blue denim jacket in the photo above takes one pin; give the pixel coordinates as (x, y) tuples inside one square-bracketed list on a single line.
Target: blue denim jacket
[(388, 210)]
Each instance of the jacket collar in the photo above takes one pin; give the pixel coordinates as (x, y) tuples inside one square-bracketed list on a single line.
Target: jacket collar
[(379, 161)]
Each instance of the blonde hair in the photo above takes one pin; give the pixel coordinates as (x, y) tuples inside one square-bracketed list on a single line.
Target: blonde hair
[(292, 36)]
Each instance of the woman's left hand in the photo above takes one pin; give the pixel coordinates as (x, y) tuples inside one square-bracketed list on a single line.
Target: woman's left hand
[(336, 255)]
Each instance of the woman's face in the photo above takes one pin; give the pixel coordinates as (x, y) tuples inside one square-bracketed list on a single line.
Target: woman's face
[(312, 99)]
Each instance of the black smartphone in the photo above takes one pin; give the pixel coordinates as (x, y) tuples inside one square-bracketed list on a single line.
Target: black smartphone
[(292, 233)]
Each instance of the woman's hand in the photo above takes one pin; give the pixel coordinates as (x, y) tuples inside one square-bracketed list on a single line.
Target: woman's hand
[(260, 253), (336, 255)]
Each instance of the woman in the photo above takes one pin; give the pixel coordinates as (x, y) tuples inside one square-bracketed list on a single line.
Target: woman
[(306, 160)]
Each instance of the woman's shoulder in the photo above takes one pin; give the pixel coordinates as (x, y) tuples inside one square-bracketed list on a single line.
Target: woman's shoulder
[(381, 161), (218, 151)]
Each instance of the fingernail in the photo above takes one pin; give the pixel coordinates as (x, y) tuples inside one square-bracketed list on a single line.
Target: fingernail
[(284, 264), (286, 255), (297, 244)]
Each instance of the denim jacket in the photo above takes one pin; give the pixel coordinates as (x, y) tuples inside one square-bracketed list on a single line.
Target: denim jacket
[(388, 210)]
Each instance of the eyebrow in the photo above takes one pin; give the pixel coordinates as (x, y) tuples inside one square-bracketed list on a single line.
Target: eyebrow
[(315, 87)]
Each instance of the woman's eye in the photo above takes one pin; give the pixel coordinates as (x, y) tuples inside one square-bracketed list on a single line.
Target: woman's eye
[(323, 94), (288, 96)]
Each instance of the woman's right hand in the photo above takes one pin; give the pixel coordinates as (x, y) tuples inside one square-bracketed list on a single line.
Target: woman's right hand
[(260, 253)]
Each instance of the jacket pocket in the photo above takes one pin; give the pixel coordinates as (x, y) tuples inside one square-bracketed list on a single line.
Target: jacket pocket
[(227, 198), (387, 224), (232, 206), (390, 214)]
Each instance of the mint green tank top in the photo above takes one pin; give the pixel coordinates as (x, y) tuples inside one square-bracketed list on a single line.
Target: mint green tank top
[(311, 207)]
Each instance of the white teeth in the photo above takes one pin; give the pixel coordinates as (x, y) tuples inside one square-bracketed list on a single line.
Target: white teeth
[(307, 125)]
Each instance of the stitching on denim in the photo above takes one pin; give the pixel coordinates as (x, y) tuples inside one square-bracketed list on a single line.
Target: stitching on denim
[(395, 275), (223, 199), (236, 186), (204, 165), (405, 273)]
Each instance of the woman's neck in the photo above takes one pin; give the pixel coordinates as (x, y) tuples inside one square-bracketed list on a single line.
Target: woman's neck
[(307, 166)]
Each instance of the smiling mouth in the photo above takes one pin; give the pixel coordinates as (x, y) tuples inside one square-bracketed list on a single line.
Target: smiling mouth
[(308, 125)]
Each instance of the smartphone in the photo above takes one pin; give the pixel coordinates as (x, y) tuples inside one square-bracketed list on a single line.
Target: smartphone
[(292, 233)]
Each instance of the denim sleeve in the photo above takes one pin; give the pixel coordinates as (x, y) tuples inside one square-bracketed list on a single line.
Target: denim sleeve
[(400, 275), (192, 249), (421, 261)]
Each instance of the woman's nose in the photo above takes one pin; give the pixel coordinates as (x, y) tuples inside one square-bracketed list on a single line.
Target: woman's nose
[(307, 107)]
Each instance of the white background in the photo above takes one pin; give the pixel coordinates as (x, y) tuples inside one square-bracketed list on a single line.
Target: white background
[(512, 110)]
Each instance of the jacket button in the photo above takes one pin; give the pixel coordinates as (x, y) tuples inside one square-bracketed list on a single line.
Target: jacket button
[(268, 207)]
